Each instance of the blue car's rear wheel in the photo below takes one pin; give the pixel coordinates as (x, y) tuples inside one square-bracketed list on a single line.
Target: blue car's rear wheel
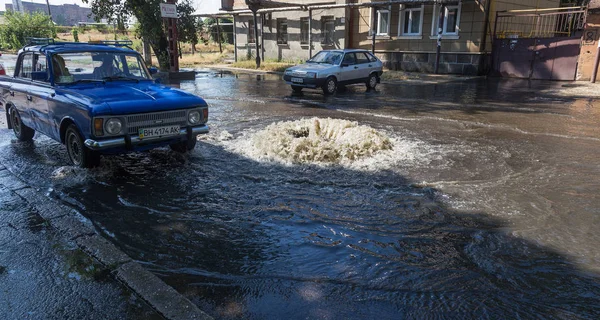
[(22, 132), (78, 153)]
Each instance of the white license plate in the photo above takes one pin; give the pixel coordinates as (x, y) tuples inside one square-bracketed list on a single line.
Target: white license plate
[(298, 80), (158, 132)]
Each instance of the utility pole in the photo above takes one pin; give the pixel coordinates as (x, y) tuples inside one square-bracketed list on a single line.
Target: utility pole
[(49, 12), (254, 5)]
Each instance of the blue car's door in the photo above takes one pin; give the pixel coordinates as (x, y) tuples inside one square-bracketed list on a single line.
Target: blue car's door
[(19, 90), (39, 92)]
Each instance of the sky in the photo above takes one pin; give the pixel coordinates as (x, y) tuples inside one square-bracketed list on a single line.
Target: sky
[(208, 6)]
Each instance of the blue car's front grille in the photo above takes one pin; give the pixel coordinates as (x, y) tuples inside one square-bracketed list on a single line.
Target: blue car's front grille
[(156, 119)]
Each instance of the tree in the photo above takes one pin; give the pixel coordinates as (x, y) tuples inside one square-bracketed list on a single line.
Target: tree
[(20, 26), (186, 24), (147, 13)]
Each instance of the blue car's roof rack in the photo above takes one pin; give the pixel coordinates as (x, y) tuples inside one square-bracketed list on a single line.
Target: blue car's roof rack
[(116, 43), (39, 41)]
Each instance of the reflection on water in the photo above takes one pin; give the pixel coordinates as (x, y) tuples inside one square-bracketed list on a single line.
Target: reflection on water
[(495, 216)]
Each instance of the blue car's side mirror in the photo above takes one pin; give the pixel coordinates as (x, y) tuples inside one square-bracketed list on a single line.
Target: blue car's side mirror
[(153, 70)]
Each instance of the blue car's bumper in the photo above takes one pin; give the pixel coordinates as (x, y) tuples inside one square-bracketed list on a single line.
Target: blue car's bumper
[(135, 143)]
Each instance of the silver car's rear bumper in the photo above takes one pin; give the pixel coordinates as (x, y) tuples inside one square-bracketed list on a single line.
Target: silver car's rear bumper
[(121, 142)]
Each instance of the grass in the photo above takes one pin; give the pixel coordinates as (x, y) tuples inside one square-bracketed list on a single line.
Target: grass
[(267, 65), (200, 59)]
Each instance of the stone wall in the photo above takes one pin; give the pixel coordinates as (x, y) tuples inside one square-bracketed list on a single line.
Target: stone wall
[(450, 63)]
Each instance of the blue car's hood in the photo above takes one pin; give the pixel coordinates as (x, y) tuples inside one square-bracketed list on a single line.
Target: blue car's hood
[(129, 97)]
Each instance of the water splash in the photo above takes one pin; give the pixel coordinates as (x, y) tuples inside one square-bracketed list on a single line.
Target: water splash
[(325, 142)]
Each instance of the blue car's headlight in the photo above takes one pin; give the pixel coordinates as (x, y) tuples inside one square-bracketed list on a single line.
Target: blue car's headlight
[(311, 74), (194, 117), (113, 126)]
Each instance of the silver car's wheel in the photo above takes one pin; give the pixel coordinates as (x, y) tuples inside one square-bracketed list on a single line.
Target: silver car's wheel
[(22, 132), (372, 82), (330, 86)]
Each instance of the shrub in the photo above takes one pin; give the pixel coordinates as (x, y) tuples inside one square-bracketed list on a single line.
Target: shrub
[(20, 26)]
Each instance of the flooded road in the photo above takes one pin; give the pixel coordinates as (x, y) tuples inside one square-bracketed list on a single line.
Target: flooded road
[(486, 206)]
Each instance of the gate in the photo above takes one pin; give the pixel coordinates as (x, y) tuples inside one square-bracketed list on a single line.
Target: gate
[(538, 44)]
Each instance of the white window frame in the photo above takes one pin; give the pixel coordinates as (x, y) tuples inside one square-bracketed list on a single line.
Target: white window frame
[(434, 23), (403, 11), (387, 32)]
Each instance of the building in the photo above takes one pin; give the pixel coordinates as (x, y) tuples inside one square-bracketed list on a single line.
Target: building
[(64, 15), (403, 33)]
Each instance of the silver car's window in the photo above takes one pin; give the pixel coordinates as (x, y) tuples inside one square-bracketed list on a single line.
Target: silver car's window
[(371, 57), (349, 59), (328, 57), (97, 66), (361, 57)]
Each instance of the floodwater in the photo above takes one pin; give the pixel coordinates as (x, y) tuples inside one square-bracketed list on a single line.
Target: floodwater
[(487, 205)]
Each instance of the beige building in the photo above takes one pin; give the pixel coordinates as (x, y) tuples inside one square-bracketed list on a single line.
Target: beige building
[(403, 33)]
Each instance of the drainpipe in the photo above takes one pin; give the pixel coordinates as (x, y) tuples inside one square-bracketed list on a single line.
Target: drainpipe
[(309, 33), (596, 63), (439, 38)]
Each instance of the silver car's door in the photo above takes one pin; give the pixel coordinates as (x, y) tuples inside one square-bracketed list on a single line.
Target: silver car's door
[(365, 66), (349, 70)]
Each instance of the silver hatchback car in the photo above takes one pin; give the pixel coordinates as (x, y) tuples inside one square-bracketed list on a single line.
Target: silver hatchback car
[(329, 69)]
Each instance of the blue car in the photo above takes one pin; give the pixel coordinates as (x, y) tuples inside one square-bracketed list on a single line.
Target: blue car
[(97, 98)]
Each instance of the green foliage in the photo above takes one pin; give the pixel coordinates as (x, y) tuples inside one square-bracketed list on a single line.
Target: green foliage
[(186, 24), (75, 35), (102, 28), (19, 26)]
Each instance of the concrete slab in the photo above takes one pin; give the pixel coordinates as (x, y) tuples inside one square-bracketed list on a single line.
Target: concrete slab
[(102, 250), (10, 181), (162, 297)]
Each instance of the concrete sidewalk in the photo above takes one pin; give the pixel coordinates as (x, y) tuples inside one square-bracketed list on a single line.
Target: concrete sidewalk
[(44, 276)]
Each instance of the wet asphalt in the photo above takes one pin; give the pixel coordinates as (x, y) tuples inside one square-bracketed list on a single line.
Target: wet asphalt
[(487, 209), (43, 276)]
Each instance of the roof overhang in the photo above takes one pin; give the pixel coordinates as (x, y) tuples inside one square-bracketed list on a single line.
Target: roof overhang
[(275, 6)]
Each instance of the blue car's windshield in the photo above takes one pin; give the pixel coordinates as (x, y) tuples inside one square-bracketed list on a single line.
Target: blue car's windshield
[(97, 66), (329, 57)]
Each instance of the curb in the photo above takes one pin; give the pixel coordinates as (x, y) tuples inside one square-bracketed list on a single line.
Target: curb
[(73, 226), (422, 78)]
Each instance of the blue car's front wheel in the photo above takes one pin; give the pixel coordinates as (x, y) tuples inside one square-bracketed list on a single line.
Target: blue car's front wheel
[(184, 146), (78, 153)]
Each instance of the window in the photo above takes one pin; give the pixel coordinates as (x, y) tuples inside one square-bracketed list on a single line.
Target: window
[(327, 30), (251, 31), (304, 30), (361, 57), (349, 59), (97, 66), (451, 20), (383, 22), (26, 66), (282, 34), (371, 57), (411, 20), (40, 69)]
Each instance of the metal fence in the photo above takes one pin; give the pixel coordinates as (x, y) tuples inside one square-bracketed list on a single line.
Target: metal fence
[(544, 23)]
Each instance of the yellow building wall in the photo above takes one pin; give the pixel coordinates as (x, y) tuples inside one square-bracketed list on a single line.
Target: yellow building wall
[(471, 27)]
